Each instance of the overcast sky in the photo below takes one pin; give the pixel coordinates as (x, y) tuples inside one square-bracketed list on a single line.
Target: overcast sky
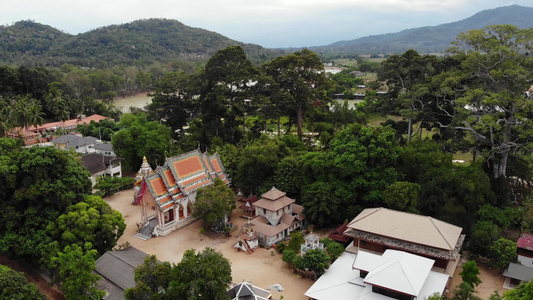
[(269, 23)]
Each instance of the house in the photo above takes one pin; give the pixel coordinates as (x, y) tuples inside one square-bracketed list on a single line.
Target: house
[(379, 229), (76, 143), (392, 275), (277, 216), (517, 273), (102, 165), (167, 194), (247, 291), (104, 149), (116, 269), (41, 134)]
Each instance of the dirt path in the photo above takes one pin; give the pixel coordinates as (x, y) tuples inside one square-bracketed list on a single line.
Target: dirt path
[(261, 267)]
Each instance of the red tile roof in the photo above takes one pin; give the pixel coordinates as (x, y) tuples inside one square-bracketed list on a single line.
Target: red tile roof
[(525, 241)]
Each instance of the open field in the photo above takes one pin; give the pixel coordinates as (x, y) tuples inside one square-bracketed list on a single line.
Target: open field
[(261, 267)]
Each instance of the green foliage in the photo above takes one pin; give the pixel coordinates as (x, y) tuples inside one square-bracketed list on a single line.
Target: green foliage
[(75, 276), (334, 250), (108, 185), (296, 240), (502, 252), (289, 256), (436, 296), (470, 273), (214, 203), (482, 236), (402, 195), (521, 292), (281, 246), (150, 278), (194, 277), (139, 138), (504, 218), (47, 182), (465, 292), (316, 260), (13, 285), (102, 130), (91, 220)]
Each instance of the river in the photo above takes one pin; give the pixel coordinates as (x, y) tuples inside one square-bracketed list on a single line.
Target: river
[(139, 101)]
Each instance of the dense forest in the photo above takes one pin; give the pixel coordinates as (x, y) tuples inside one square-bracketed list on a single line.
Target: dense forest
[(276, 124), (139, 43)]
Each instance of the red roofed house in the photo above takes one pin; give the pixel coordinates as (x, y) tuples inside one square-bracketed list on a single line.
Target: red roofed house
[(277, 216), (523, 270), (40, 134), (172, 189)]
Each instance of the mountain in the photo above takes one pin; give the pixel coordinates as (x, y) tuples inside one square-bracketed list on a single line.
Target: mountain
[(144, 41), (430, 39)]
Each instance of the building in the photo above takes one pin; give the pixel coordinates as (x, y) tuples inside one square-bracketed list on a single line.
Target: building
[(277, 215), (77, 143), (166, 196), (104, 149), (42, 133), (102, 165), (379, 229), (249, 239), (391, 275), (522, 271), (116, 269), (311, 242), (248, 291)]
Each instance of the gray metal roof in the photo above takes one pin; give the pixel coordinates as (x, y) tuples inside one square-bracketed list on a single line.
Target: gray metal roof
[(118, 266), (518, 271), (104, 146)]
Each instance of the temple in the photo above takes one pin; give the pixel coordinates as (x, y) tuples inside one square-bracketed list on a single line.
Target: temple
[(277, 217), (167, 194)]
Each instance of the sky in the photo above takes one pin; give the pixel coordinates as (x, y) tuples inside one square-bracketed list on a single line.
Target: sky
[(269, 23)]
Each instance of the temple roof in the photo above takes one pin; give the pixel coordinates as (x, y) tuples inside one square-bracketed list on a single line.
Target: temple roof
[(181, 175), (525, 241), (274, 200), (418, 229)]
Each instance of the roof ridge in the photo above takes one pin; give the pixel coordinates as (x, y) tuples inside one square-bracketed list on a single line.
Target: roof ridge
[(120, 258), (375, 210), (442, 235), (405, 274)]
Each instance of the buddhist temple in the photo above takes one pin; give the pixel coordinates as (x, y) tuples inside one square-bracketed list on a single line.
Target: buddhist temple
[(167, 194)]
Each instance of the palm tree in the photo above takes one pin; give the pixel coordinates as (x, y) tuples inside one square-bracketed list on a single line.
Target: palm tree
[(28, 113), (6, 116)]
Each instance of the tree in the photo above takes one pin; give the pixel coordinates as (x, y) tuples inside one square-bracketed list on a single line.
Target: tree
[(91, 220), (482, 236), (487, 92), (521, 292), (139, 138), (194, 277), (296, 240), (28, 113), (465, 292), (470, 273), (289, 256), (317, 261), (214, 203), (502, 252), (402, 195), (47, 181), (75, 275), (302, 79), (13, 285), (150, 278)]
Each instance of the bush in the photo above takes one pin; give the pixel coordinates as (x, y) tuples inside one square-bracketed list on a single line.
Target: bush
[(289, 256), (281, 246), (109, 185), (296, 240), (334, 250)]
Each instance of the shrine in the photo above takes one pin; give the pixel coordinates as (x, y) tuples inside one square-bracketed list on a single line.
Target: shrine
[(166, 195)]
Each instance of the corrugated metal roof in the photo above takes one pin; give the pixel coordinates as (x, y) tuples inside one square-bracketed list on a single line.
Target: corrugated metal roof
[(118, 266)]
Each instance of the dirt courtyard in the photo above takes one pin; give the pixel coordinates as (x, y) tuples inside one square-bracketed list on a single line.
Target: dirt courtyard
[(260, 267), (491, 280)]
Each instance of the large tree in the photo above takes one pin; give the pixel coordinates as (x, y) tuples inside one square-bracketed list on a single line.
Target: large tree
[(150, 278), (214, 203), (195, 276), (41, 183), (487, 92), (91, 220), (301, 81)]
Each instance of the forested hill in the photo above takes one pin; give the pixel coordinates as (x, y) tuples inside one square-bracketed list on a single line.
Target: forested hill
[(430, 39), (144, 41)]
